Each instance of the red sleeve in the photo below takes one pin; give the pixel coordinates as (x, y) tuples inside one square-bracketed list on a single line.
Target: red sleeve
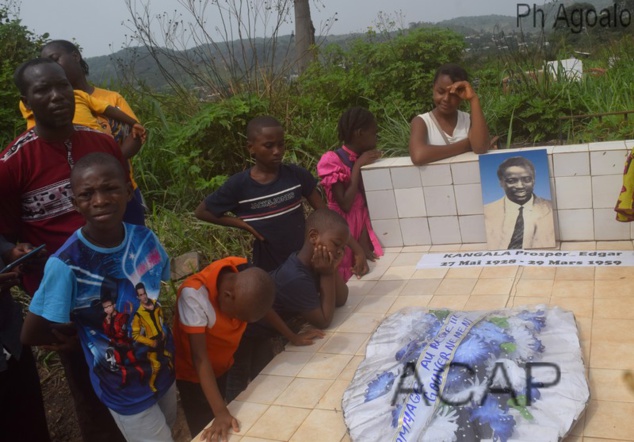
[(95, 141), (10, 205)]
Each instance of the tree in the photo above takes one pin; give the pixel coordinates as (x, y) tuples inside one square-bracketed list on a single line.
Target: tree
[(17, 45), (304, 35), (244, 52)]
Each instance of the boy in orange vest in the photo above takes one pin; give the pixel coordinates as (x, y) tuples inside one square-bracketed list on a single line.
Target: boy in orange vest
[(214, 307)]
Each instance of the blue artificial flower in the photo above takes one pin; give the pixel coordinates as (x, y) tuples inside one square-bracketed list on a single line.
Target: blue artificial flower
[(492, 414), (537, 319), (458, 378), (491, 334), (472, 351), (537, 345), (379, 386), (396, 413), (410, 352)]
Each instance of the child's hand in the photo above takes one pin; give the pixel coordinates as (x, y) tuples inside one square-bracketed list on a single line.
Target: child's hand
[(307, 337), (323, 261), (360, 267), (67, 339), (219, 430), (462, 89), (139, 133), (368, 157), (22, 249), (254, 232), (8, 280)]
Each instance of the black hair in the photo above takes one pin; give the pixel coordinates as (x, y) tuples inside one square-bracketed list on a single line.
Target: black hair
[(140, 286), (515, 161), (69, 48), (256, 124), (454, 71), (97, 158), (258, 288), (108, 291), (325, 219), (19, 74), (352, 120)]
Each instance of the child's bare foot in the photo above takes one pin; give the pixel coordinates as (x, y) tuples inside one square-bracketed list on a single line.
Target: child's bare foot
[(366, 245), (360, 267), (370, 255)]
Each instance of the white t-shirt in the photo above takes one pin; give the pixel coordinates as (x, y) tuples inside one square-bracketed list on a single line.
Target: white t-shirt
[(460, 132), (195, 309)]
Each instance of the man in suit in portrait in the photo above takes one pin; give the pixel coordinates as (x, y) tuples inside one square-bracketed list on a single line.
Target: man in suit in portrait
[(520, 219)]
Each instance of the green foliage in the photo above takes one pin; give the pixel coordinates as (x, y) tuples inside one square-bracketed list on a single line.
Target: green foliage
[(193, 148), (530, 111), (181, 232), (187, 159), (384, 75), (17, 45), (394, 134)]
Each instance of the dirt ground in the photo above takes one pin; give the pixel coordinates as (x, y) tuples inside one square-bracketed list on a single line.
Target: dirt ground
[(60, 413)]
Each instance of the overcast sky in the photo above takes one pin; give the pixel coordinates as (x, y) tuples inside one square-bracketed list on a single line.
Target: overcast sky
[(98, 25)]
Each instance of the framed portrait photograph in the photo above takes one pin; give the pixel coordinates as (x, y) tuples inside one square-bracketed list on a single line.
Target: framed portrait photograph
[(518, 210)]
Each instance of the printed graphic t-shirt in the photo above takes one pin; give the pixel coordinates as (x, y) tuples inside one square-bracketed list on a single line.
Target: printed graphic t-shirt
[(273, 209), (129, 371)]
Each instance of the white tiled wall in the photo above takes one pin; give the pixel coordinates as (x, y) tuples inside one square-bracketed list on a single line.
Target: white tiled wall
[(469, 199), (603, 190), (441, 203), (444, 230), (406, 177), (465, 173), (617, 231), (415, 231), (472, 229), (381, 204), (440, 200), (410, 203), (573, 192), (435, 174), (572, 164), (608, 162)]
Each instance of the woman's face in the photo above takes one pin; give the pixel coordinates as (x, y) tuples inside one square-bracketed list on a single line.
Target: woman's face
[(67, 60), (446, 103)]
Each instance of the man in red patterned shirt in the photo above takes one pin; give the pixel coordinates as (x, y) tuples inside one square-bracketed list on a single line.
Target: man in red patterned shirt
[(35, 201)]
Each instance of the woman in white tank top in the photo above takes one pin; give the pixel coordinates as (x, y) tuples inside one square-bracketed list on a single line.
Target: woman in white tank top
[(446, 131)]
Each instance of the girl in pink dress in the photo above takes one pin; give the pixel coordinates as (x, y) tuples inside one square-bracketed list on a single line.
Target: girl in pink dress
[(340, 174)]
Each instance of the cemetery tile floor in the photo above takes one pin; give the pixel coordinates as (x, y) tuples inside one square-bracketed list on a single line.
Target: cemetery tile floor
[(298, 395)]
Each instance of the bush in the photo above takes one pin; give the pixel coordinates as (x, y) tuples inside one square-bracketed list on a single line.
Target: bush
[(17, 45), (388, 77)]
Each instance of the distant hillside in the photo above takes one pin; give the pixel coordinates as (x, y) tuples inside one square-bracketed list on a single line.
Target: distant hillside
[(481, 24), (104, 69), (107, 69)]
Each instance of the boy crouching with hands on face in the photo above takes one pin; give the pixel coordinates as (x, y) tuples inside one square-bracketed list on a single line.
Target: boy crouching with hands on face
[(308, 287), (103, 261), (214, 307)]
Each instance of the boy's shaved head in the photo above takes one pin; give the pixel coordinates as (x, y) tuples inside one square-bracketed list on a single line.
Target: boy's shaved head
[(97, 159), (256, 124), (325, 219), (255, 292)]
